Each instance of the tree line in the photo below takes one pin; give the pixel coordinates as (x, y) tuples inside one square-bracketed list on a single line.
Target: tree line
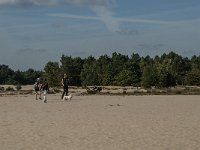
[(166, 70), (11, 77)]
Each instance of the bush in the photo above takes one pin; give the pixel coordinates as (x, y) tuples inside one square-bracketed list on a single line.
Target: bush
[(56, 90), (1, 89), (9, 89), (18, 87)]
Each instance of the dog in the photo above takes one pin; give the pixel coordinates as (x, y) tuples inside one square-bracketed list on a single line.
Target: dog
[(69, 97)]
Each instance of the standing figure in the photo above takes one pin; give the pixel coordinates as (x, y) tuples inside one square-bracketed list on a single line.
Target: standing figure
[(37, 88), (45, 89), (64, 82)]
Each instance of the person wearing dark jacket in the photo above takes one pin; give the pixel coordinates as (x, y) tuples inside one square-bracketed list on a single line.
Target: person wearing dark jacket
[(64, 82)]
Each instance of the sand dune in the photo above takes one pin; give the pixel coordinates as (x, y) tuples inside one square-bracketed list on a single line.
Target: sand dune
[(100, 123)]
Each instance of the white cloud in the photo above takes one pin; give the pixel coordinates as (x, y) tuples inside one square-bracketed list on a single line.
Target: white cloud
[(74, 16), (116, 20), (30, 50), (112, 23), (100, 7), (106, 16), (54, 2)]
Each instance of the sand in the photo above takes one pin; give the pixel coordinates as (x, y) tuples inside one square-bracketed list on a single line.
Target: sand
[(100, 122)]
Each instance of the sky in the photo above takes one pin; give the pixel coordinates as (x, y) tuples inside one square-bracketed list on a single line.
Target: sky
[(34, 32)]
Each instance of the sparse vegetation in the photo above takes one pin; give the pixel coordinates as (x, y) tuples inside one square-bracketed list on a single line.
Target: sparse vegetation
[(2, 89), (9, 89), (18, 87)]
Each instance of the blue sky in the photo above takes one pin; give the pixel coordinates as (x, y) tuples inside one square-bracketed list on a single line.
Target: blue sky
[(33, 32)]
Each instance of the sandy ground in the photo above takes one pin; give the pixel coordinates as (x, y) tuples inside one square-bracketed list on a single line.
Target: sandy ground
[(100, 123)]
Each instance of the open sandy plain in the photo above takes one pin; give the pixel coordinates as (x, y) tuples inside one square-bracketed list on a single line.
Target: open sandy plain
[(100, 122)]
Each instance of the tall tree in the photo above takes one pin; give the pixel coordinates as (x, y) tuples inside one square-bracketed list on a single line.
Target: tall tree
[(134, 67), (73, 67), (52, 73), (31, 75), (124, 78), (6, 75), (89, 74), (150, 76), (104, 70)]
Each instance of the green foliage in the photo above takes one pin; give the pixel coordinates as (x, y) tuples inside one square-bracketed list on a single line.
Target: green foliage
[(150, 77), (29, 76), (195, 62), (52, 73), (166, 70), (119, 62), (165, 77), (104, 70), (89, 74), (6, 74), (73, 67), (134, 67), (124, 78), (193, 77)]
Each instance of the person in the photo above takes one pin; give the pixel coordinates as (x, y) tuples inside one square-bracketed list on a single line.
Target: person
[(45, 89), (64, 82), (37, 88)]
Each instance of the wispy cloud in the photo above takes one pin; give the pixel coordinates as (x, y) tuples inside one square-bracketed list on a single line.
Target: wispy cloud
[(57, 25), (112, 23), (116, 20), (53, 2), (127, 32), (74, 16), (106, 16), (151, 47), (102, 9), (30, 50)]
